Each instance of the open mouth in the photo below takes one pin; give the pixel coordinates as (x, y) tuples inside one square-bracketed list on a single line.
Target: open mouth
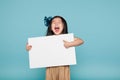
[(57, 29)]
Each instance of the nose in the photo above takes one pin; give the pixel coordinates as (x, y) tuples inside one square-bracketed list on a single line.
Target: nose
[(56, 24)]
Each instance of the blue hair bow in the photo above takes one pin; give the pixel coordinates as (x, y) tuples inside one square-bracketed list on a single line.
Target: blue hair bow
[(47, 21)]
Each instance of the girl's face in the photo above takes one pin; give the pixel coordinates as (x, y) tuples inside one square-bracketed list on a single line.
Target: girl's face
[(57, 26)]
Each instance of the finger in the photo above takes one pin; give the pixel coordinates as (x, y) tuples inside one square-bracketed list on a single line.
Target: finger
[(30, 46), (64, 41)]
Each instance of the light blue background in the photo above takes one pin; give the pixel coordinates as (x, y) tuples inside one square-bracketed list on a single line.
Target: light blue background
[(97, 22)]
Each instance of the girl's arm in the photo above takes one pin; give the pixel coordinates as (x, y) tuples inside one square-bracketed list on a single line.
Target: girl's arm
[(76, 42)]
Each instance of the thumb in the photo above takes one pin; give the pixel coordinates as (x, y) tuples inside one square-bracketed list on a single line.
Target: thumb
[(64, 41)]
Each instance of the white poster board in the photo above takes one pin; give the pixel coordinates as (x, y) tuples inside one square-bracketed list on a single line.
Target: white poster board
[(49, 51)]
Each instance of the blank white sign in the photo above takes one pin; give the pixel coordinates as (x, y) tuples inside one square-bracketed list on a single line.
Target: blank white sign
[(49, 51)]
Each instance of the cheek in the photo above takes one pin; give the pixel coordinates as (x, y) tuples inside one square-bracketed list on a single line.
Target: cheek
[(61, 26), (52, 27)]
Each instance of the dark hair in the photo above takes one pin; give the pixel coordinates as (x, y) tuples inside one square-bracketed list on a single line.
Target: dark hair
[(65, 29)]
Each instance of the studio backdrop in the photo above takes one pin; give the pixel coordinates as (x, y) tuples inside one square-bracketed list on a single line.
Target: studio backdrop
[(97, 22)]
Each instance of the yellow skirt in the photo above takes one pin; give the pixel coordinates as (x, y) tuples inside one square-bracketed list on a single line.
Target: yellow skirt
[(58, 73)]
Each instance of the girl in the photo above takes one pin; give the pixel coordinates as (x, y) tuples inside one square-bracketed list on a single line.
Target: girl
[(56, 26)]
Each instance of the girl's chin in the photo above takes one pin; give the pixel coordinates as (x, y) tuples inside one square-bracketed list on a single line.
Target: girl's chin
[(57, 33)]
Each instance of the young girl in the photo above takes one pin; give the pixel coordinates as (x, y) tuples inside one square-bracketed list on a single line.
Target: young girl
[(57, 25)]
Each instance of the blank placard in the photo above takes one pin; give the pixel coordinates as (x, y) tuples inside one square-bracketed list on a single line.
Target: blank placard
[(49, 51)]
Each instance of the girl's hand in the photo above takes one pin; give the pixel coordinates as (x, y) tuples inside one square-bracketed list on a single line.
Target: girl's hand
[(76, 42), (66, 44), (28, 47)]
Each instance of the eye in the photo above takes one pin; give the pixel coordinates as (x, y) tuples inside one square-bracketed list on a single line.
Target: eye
[(53, 22)]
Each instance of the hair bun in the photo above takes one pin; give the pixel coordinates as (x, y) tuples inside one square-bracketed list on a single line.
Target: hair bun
[(47, 20)]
